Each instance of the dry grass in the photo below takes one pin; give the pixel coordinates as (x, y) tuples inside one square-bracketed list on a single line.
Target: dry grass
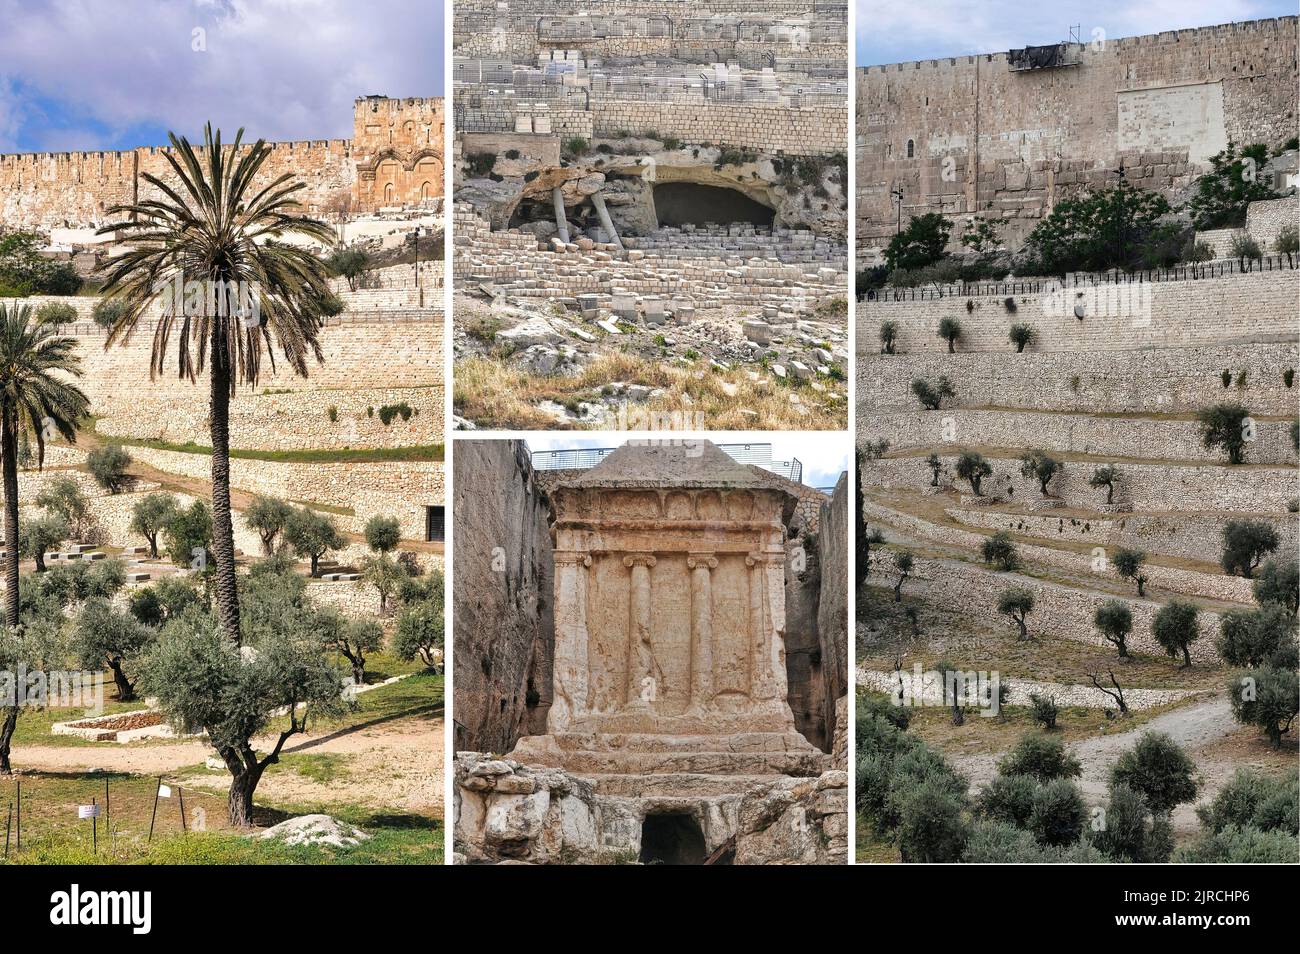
[(494, 395)]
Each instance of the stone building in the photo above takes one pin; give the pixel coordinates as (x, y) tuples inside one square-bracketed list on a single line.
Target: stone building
[(669, 733)]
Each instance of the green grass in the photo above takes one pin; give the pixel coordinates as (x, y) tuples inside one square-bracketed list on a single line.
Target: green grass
[(376, 455), (324, 768), (417, 695)]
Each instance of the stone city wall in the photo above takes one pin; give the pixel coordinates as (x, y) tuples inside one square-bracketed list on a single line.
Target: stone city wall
[(972, 133), (395, 158)]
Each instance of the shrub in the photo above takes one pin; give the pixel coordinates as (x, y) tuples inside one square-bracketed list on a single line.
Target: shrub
[(1059, 813), (920, 243), (188, 537), (64, 498), (1128, 564), (1159, 770), (931, 827), (1240, 846), (1008, 798), (950, 331), (972, 466), (1175, 627), (1000, 549), (1043, 710), (349, 264), (1041, 757), (1021, 335), (1130, 832), (1098, 230), (1245, 544), (1252, 799), (332, 412), (108, 311), (1223, 193), (108, 464)]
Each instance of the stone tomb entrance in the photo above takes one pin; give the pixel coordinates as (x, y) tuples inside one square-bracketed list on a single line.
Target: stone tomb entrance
[(694, 203), (672, 838), (669, 677)]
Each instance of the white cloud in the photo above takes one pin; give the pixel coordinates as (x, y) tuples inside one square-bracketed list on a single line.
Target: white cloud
[(285, 69)]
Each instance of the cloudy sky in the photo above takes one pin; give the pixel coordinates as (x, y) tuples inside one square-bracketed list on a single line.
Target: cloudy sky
[(824, 456), (114, 74), (896, 31)]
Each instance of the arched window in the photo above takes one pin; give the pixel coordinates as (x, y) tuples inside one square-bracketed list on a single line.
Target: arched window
[(911, 149), (388, 194)]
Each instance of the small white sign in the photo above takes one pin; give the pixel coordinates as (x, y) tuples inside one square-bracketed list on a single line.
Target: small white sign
[(164, 791), (88, 811)]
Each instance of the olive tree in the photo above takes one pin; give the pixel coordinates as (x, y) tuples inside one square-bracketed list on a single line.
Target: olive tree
[(1176, 626), (972, 466), (1114, 620), (267, 517), (1245, 544), (1158, 769), (150, 516), (1105, 476), (104, 635), (1225, 425), (108, 465), (1128, 564), (312, 535), (1017, 602), (1041, 466)]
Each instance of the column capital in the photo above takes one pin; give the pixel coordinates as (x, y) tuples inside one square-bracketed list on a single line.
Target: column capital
[(701, 560), (573, 556), (639, 559), (758, 557)]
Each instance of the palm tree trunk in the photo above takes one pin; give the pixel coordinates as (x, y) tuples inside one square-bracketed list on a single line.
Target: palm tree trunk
[(223, 534), (9, 450)]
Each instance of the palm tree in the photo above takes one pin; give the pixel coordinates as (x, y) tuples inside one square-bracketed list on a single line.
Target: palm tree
[(215, 227), (34, 404)]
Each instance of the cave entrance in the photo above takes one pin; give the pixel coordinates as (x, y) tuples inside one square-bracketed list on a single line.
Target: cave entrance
[(690, 203), (672, 838)]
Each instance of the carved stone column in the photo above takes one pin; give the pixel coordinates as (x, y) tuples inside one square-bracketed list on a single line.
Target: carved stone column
[(570, 679), (701, 565), (642, 674), (766, 630)]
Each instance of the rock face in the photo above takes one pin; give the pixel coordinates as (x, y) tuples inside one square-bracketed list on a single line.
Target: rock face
[(502, 599), (834, 534), (670, 708)]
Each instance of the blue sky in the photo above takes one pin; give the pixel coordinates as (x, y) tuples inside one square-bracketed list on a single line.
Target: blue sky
[(114, 74), (824, 456), (891, 31)]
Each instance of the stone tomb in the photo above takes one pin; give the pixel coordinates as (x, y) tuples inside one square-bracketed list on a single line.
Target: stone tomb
[(669, 697)]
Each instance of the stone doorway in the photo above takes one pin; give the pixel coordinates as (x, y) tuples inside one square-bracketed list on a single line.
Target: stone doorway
[(672, 838)]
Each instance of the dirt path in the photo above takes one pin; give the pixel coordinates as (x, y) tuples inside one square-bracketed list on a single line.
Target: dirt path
[(392, 764), (1193, 727)]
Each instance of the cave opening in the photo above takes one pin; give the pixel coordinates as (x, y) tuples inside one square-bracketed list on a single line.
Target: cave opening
[(692, 203), (672, 838)]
